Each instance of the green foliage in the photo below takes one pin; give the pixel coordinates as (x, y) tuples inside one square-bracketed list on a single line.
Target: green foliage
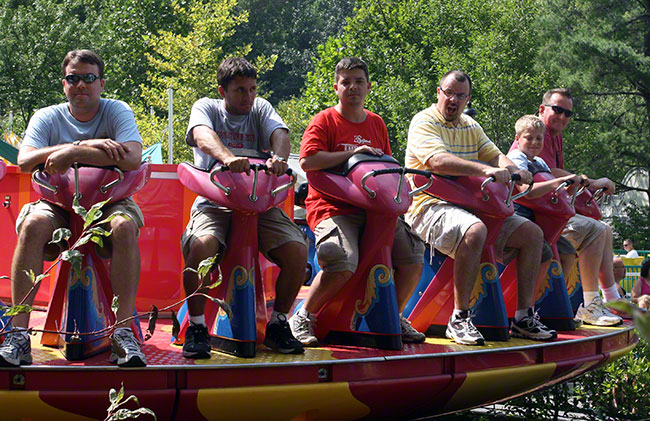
[(410, 44), (635, 225), (617, 391), (187, 60), (599, 49), (117, 400), (290, 29)]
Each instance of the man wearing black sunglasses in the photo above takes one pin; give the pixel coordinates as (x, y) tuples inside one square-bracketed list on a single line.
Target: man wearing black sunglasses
[(90, 130), (592, 239)]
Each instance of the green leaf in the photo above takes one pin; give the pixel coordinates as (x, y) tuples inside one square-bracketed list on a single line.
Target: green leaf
[(112, 396), (94, 213), (642, 322), (622, 305), (176, 327), (5, 277), (74, 257), (18, 309), (97, 240), (78, 209), (206, 266), (115, 304), (221, 303), (153, 317), (60, 234), (113, 216)]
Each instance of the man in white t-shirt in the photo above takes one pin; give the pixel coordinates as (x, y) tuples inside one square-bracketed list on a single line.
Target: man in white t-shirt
[(628, 246), (217, 129)]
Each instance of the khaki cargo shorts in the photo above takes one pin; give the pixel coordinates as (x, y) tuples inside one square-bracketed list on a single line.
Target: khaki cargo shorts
[(443, 226), (60, 218), (274, 228), (582, 231), (337, 243)]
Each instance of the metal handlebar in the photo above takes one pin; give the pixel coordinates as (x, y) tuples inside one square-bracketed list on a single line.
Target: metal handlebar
[(598, 195), (75, 166), (256, 169), (563, 185), (484, 184), (511, 198)]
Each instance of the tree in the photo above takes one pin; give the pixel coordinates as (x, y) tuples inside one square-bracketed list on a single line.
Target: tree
[(601, 50), (187, 60), (410, 44), (290, 29), (30, 56)]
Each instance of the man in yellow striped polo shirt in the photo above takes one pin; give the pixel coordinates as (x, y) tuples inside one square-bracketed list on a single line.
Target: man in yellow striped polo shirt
[(444, 140)]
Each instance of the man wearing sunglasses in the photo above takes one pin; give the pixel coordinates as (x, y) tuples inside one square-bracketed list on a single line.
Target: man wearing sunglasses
[(90, 130), (591, 239)]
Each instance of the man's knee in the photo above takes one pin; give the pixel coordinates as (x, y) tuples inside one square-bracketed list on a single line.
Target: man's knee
[(36, 229), (291, 253), (123, 230), (329, 254), (476, 235), (202, 248)]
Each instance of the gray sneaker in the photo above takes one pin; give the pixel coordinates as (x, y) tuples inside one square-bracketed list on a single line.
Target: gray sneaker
[(302, 328), (16, 350), (597, 314), (462, 331), (409, 334), (126, 350)]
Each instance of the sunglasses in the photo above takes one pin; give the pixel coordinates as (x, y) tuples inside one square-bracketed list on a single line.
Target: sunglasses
[(87, 78), (559, 110)]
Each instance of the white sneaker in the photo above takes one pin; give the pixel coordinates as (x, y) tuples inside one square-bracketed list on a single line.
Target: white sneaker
[(461, 330), (126, 350), (302, 328), (409, 334), (16, 350), (597, 314)]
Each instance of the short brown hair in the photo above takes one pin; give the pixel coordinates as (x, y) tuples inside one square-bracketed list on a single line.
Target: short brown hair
[(529, 121), (349, 63), (233, 67), (84, 56), (561, 91), (460, 76)]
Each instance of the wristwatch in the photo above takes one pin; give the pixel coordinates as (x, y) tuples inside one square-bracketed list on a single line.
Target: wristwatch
[(281, 159), (76, 142)]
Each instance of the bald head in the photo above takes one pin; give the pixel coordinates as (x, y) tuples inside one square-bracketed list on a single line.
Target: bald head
[(619, 269)]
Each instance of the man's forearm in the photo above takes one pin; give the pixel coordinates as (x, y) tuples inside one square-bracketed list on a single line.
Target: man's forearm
[(323, 159)]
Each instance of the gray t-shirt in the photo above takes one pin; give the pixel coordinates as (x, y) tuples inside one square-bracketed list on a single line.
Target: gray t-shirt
[(54, 125), (249, 131)]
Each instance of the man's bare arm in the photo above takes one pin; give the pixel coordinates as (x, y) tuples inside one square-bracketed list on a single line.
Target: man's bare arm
[(281, 146), (208, 141), (100, 152)]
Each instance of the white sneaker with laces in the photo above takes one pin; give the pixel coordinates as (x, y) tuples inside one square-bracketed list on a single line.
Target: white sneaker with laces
[(126, 350), (302, 328), (597, 314), (16, 350), (462, 331)]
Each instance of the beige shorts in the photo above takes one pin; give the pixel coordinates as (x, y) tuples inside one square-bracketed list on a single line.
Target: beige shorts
[(337, 243), (443, 226), (60, 218), (582, 231), (274, 228)]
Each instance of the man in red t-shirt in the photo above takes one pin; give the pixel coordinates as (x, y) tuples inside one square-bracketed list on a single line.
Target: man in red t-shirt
[(591, 239), (332, 137)]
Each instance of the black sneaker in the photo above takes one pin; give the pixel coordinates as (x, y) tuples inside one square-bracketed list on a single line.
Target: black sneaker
[(279, 337), (462, 331), (529, 327), (197, 343), (16, 350)]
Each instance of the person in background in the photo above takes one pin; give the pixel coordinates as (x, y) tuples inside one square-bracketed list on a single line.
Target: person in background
[(641, 289), (619, 274), (628, 246)]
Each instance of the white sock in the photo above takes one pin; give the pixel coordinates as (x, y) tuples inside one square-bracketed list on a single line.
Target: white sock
[(304, 313), (611, 293), (457, 312), (589, 296), (198, 320), (520, 314), (274, 316)]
